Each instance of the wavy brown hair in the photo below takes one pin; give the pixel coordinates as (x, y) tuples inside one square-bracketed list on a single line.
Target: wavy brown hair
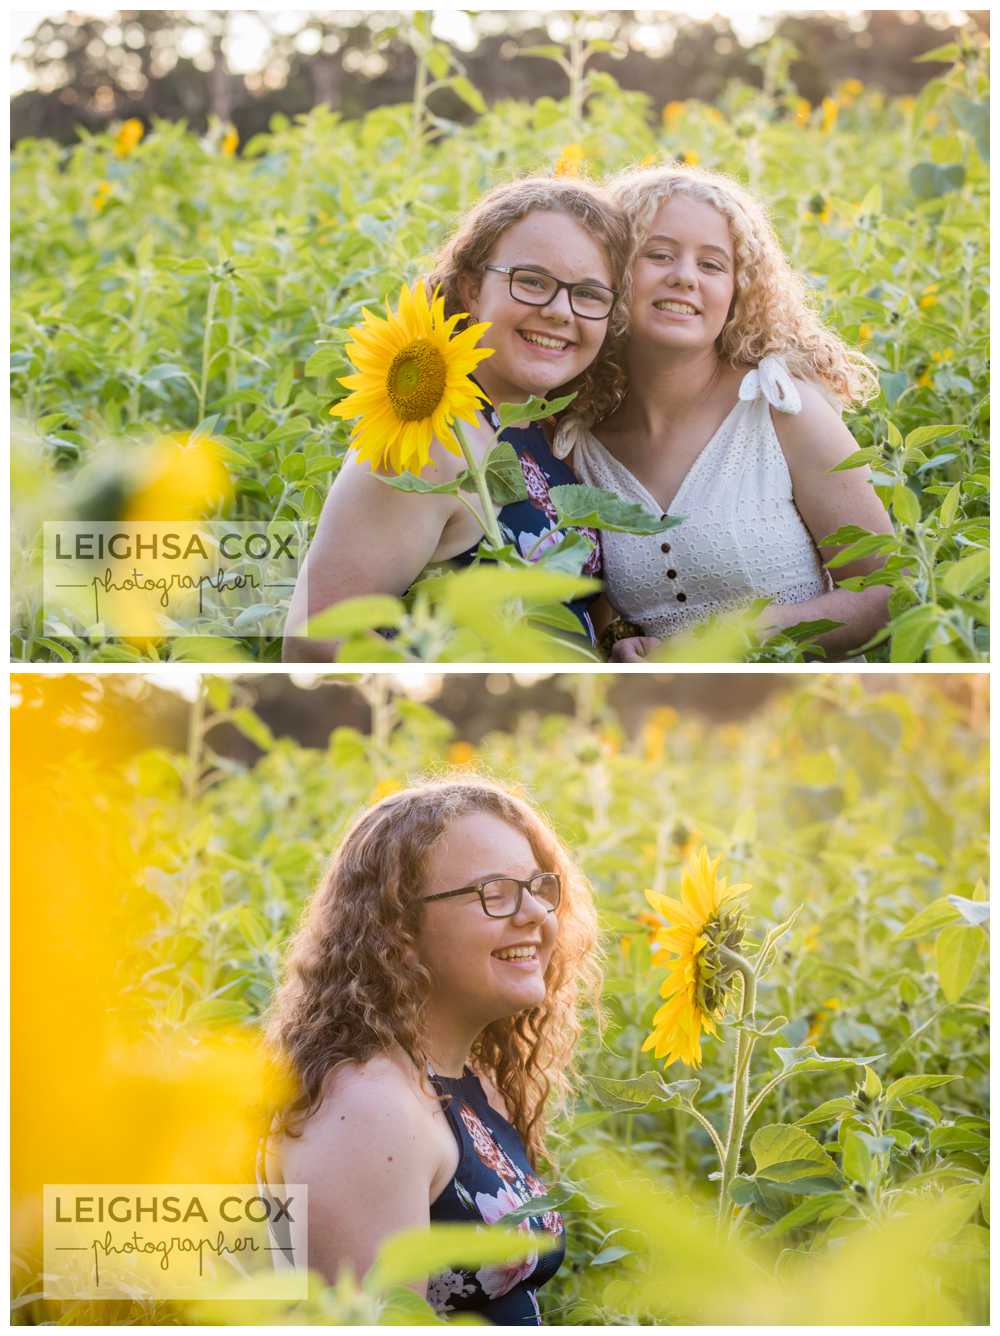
[(472, 243), (772, 310), (351, 988)]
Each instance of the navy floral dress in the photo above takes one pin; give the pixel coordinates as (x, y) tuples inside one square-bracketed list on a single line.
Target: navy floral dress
[(529, 525), (492, 1178)]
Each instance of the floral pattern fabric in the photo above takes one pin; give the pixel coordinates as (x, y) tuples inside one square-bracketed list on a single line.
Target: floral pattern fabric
[(529, 525), (493, 1178)]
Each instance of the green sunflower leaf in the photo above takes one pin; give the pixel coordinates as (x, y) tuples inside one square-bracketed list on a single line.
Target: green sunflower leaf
[(409, 482), (416, 1253), (636, 1093), (784, 1152), (806, 1059), (504, 475), (533, 410), (594, 508), (906, 1086)]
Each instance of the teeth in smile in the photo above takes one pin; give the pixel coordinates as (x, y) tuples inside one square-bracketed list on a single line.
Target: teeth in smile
[(516, 953), (682, 307), (543, 341)]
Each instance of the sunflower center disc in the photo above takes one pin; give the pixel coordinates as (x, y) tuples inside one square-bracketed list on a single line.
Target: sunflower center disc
[(416, 380)]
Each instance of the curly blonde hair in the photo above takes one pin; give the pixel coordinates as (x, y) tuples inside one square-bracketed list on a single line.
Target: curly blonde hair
[(351, 988), (772, 311), (590, 205)]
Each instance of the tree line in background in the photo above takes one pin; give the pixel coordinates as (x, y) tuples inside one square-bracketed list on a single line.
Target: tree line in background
[(90, 71)]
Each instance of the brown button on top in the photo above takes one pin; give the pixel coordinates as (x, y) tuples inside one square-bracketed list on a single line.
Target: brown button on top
[(671, 575), (682, 598), (664, 547)]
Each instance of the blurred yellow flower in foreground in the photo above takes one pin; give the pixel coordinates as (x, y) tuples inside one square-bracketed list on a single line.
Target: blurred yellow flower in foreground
[(929, 296), (828, 119), (128, 136), (412, 382), (185, 479), (848, 90), (96, 1096), (945, 355), (570, 160), (698, 986), (803, 110), (461, 753), (650, 160), (864, 333), (672, 112), (689, 158), (101, 195), (230, 142)]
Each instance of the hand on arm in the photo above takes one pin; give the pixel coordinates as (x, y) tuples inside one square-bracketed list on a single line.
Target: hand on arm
[(368, 1164), (814, 441), (370, 539), (633, 649)]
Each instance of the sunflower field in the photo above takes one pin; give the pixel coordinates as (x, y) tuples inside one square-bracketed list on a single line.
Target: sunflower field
[(174, 293), (853, 812)]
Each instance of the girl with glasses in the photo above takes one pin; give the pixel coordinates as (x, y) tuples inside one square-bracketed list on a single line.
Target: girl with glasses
[(722, 405), (429, 1014), (541, 260)]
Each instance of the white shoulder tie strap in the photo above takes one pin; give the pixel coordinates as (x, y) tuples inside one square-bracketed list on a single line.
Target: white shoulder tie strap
[(570, 432), (771, 379)]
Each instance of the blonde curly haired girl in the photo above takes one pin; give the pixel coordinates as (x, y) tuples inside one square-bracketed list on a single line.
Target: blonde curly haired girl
[(721, 405)]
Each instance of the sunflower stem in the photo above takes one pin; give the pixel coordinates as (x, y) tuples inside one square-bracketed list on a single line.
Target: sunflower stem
[(741, 1083), (206, 347), (491, 526)]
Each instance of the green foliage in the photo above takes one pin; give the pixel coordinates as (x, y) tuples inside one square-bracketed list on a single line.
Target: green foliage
[(216, 291)]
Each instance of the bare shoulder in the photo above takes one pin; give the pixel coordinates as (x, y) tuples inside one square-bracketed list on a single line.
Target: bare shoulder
[(815, 437), (365, 1106)]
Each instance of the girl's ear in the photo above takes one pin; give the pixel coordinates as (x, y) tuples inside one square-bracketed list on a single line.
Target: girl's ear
[(468, 290)]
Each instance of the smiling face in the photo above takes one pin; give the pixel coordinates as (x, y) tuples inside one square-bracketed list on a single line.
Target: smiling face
[(466, 951), (536, 348), (683, 279)]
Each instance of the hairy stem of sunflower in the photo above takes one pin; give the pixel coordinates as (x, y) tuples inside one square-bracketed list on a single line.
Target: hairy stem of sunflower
[(578, 63), (206, 347), (419, 101), (491, 526), (741, 1083), (195, 742)]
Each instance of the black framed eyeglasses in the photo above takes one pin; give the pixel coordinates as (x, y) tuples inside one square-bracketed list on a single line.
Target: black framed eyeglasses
[(501, 896), (534, 287)]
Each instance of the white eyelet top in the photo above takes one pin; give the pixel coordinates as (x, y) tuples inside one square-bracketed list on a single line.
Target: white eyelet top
[(742, 536)]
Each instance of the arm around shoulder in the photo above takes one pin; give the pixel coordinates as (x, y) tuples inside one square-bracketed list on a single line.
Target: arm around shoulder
[(368, 1164)]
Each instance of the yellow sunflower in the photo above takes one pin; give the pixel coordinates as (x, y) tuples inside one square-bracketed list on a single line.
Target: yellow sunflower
[(699, 984), (412, 381), (128, 136)]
